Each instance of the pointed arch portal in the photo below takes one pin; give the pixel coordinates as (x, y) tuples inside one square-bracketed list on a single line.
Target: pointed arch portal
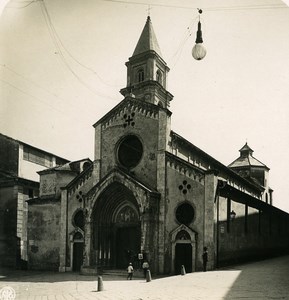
[(116, 227)]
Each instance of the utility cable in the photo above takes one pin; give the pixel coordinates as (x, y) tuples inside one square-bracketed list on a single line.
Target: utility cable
[(246, 7), (57, 45)]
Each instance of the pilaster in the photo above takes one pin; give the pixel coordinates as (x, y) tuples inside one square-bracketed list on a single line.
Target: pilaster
[(211, 181), (63, 231)]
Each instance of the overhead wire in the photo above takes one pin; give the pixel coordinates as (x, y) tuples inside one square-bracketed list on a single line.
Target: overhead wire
[(177, 54), (30, 95), (57, 44), (34, 98), (245, 7), (180, 48), (35, 84), (20, 2)]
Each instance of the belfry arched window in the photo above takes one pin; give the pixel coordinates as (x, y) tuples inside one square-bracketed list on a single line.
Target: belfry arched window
[(159, 77), (140, 75)]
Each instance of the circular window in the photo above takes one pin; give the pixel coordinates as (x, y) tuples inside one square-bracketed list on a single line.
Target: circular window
[(185, 213), (130, 151)]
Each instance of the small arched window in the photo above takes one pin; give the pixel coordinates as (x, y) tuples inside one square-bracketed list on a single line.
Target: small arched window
[(140, 75), (159, 77), (78, 219)]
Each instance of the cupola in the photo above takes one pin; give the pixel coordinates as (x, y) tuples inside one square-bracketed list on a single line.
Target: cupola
[(253, 170)]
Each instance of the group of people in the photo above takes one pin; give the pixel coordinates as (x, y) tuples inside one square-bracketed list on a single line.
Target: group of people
[(145, 265)]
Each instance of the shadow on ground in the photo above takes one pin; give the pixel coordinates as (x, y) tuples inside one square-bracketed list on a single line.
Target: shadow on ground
[(267, 279)]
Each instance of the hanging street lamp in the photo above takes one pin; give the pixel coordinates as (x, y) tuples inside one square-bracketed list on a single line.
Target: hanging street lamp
[(199, 51)]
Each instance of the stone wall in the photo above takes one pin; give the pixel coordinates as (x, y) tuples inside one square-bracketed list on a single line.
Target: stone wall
[(255, 232), (43, 235), (9, 150), (145, 128), (184, 188), (8, 220)]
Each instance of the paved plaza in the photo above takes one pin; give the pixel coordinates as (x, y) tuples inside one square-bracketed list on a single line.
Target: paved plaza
[(267, 279)]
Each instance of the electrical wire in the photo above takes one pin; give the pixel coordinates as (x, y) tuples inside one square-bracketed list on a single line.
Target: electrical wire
[(57, 45), (20, 2), (37, 85), (30, 95), (180, 48), (247, 7), (28, 80)]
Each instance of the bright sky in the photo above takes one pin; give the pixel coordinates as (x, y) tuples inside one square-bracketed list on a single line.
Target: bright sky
[(63, 63)]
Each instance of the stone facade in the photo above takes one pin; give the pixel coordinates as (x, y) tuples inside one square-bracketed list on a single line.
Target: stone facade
[(18, 182), (150, 193)]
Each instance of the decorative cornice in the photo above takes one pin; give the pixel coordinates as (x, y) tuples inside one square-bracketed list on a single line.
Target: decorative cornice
[(129, 103), (184, 167), (43, 200)]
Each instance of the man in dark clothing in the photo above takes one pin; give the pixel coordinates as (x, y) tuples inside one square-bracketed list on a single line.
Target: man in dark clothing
[(205, 259)]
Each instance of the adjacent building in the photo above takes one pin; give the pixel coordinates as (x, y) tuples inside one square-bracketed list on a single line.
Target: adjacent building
[(19, 181)]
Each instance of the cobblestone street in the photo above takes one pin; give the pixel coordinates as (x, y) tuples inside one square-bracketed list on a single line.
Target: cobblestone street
[(268, 279)]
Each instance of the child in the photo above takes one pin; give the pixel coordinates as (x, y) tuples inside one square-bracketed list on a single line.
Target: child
[(129, 271)]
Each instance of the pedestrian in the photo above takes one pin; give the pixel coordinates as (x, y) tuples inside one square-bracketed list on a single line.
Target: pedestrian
[(129, 271), (145, 267), (205, 259)]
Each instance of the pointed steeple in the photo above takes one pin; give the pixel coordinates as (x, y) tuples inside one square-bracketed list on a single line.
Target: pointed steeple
[(147, 71), (147, 40)]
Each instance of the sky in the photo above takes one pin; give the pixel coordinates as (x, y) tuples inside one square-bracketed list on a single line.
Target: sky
[(62, 64)]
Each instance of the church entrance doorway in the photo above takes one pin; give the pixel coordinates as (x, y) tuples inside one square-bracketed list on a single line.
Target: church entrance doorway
[(183, 256), (116, 227), (127, 245), (183, 250), (77, 256)]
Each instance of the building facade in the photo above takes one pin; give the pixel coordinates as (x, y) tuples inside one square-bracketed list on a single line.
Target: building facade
[(151, 193), (19, 182)]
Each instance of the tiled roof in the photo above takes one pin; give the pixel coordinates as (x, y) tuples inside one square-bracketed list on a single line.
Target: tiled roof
[(246, 159)]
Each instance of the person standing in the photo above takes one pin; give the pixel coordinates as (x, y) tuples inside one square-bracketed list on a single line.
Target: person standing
[(129, 271), (145, 267), (205, 259)]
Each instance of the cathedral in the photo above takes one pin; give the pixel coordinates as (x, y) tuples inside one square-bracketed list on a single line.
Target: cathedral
[(150, 194)]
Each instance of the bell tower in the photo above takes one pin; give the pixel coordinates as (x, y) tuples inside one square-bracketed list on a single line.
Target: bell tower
[(147, 71)]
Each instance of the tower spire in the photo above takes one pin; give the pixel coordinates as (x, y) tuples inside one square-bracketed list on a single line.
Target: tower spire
[(147, 40), (147, 71)]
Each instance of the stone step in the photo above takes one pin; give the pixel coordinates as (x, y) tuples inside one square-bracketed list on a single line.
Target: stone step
[(122, 273)]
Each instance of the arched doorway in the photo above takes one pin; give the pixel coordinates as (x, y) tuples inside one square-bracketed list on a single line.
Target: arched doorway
[(77, 251), (183, 249), (183, 257), (116, 227), (127, 235)]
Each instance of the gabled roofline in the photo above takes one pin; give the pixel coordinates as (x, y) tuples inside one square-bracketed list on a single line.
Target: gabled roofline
[(132, 100), (126, 175), (33, 147), (74, 180), (59, 168)]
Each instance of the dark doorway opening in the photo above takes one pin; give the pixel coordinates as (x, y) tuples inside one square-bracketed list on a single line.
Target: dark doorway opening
[(127, 245), (77, 256), (183, 256)]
